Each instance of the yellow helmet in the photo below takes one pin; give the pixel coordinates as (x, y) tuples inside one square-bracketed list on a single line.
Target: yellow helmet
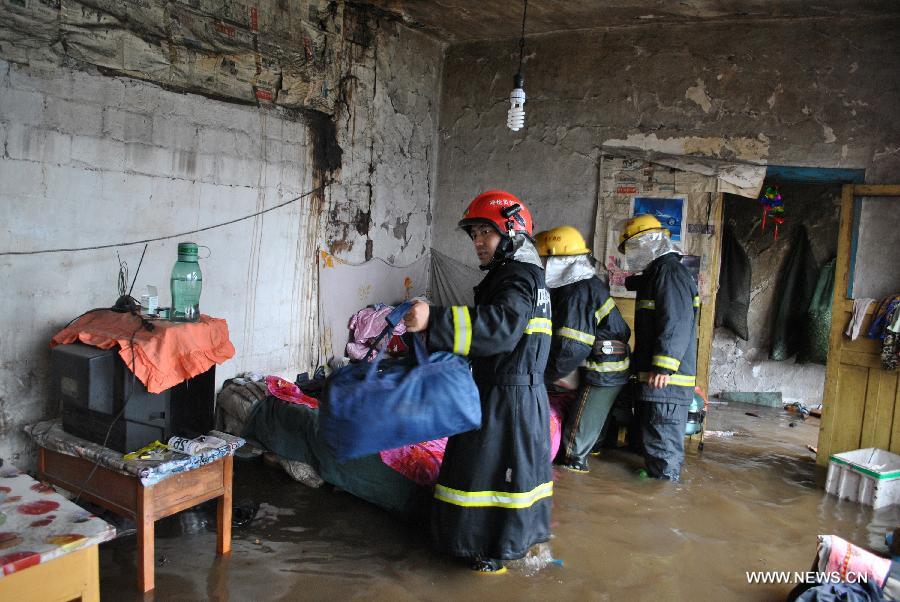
[(562, 240), (638, 225)]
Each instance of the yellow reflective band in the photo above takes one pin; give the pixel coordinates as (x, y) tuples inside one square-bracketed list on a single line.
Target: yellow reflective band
[(576, 335), (664, 361), (679, 380), (604, 310), (683, 380), (646, 304), (462, 330), (495, 499), (608, 366), (539, 325), (697, 301)]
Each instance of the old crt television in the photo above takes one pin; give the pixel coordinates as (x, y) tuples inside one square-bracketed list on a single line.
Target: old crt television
[(93, 384)]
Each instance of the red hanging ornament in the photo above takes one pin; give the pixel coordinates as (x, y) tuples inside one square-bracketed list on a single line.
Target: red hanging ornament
[(772, 208)]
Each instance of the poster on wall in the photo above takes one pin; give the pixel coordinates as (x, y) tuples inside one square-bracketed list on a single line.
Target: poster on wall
[(668, 210), (616, 268)]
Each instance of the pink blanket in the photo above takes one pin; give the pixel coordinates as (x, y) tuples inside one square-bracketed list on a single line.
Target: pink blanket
[(289, 392), (421, 462), (838, 556)]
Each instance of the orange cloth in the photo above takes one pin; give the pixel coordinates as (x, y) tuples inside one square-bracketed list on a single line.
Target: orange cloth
[(172, 353)]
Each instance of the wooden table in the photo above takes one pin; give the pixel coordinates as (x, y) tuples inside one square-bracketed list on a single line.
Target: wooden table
[(127, 496), (48, 545)]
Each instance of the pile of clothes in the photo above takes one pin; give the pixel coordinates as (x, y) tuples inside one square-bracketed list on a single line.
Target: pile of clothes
[(366, 325), (885, 327)]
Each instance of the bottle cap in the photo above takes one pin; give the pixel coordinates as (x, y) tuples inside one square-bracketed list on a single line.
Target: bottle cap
[(188, 251)]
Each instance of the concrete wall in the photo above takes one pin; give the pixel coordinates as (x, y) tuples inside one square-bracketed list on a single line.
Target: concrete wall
[(387, 126), (875, 273), (817, 92), (90, 160), (745, 366)]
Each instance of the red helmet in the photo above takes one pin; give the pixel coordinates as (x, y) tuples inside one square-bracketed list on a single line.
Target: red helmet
[(492, 207)]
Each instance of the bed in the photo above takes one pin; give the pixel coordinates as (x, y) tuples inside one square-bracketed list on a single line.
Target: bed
[(275, 418)]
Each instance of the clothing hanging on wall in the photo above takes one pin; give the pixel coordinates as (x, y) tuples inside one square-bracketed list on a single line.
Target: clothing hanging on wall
[(860, 306), (795, 290), (818, 319), (733, 299)]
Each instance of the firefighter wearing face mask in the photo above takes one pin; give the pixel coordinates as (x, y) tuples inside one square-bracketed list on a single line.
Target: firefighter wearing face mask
[(665, 349), (492, 498), (589, 335)]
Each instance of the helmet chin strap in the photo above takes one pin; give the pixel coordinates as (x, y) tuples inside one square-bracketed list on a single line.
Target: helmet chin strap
[(503, 253)]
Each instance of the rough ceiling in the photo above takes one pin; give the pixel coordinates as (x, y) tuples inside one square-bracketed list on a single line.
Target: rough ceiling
[(468, 20)]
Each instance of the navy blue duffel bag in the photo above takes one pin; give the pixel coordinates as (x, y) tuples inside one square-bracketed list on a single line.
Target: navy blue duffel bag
[(370, 407)]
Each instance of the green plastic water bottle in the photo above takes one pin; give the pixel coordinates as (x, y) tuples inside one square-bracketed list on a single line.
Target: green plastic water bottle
[(186, 283)]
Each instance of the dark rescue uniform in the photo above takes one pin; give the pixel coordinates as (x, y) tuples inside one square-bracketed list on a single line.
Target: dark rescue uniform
[(584, 316), (492, 498), (588, 332), (665, 330)]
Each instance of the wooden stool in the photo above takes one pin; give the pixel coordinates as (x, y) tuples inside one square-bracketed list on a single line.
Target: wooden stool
[(127, 496)]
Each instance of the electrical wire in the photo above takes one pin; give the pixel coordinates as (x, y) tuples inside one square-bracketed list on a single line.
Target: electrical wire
[(138, 269), (522, 37), (123, 275), (179, 235), (121, 413)]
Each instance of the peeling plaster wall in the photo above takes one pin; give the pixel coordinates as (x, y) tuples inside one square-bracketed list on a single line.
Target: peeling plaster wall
[(818, 92), (745, 366), (92, 159), (387, 126)]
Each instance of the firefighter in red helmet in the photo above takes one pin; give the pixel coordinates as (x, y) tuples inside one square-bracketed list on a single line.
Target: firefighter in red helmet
[(492, 498)]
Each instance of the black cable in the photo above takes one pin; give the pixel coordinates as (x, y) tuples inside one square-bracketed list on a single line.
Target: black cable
[(179, 235), (522, 38), (123, 275), (136, 272), (121, 412), (90, 311)]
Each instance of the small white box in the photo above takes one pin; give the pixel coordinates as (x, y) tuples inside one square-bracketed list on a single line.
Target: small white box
[(869, 476)]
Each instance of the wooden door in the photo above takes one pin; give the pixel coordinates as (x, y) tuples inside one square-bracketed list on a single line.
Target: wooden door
[(861, 406)]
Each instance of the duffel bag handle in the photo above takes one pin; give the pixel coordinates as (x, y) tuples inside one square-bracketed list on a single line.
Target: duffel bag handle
[(418, 346), (396, 315), (392, 320)]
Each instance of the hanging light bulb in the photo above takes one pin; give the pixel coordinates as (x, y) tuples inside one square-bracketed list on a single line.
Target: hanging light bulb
[(515, 118)]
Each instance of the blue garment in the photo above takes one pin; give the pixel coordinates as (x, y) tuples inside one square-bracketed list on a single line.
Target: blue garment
[(842, 592)]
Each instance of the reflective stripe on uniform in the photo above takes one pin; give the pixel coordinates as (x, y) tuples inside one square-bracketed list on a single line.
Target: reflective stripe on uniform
[(462, 330), (664, 361), (496, 499), (604, 310), (679, 380), (576, 335), (608, 366), (646, 304), (697, 301), (539, 325)]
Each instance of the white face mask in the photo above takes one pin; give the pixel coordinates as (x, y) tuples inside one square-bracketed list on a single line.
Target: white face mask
[(643, 249), (560, 271), (525, 251)]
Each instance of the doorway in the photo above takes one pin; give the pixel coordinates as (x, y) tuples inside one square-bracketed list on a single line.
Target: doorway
[(778, 363)]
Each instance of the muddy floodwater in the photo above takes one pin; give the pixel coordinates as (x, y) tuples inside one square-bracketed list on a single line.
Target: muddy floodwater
[(747, 502)]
